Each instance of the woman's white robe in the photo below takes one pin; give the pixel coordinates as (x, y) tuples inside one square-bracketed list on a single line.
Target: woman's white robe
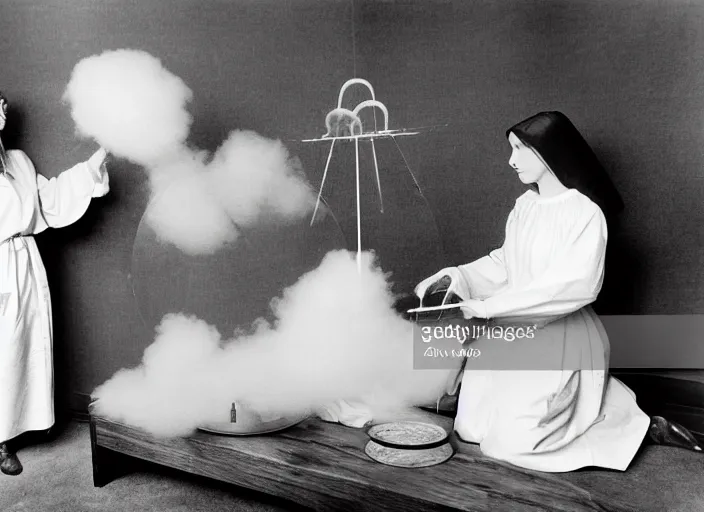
[(29, 204), (547, 402)]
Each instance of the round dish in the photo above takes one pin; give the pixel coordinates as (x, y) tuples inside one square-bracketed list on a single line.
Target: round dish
[(250, 428), (408, 458), (408, 435)]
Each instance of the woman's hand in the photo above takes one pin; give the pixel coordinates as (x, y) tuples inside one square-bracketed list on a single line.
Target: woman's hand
[(457, 284), (473, 308), (96, 162)]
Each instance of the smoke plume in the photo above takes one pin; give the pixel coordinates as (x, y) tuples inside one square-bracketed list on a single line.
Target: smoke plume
[(335, 337), (134, 107)]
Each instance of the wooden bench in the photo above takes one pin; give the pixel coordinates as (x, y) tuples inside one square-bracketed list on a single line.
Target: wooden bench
[(323, 466)]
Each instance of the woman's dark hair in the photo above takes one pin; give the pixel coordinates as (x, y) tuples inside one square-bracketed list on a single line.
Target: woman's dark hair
[(3, 155), (558, 142), (3, 97)]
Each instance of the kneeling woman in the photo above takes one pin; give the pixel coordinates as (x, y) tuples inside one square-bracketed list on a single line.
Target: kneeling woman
[(546, 401)]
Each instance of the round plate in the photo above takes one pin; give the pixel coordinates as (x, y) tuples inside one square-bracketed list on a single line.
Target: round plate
[(405, 434), (249, 428), (408, 458)]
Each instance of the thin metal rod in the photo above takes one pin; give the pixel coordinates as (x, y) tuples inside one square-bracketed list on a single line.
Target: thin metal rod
[(359, 210), (322, 183), (354, 42), (378, 181), (408, 167), (377, 135)]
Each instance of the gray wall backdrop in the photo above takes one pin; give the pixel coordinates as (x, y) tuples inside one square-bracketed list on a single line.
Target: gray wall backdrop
[(629, 73)]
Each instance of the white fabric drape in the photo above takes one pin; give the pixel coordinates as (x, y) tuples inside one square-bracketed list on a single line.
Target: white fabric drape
[(29, 204), (547, 402)]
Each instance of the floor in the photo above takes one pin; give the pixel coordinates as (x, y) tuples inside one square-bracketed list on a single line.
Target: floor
[(58, 477)]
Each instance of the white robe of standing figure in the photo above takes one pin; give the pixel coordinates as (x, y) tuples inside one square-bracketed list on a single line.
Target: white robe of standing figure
[(29, 204)]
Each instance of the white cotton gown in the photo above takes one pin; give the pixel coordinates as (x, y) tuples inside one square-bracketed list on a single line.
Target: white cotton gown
[(546, 402), (29, 204)]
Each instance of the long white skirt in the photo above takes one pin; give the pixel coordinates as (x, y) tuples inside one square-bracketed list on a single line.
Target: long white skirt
[(26, 364), (548, 403)]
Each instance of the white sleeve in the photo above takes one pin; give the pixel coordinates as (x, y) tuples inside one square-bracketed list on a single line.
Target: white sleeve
[(487, 275), (572, 281), (64, 199)]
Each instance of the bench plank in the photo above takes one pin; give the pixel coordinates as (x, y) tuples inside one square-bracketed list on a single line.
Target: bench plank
[(323, 466)]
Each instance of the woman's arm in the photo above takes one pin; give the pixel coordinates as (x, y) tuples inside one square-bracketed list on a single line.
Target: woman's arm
[(487, 275), (64, 199), (480, 279), (572, 281)]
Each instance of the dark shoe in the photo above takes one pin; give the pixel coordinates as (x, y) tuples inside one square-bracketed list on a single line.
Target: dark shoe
[(669, 433), (9, 463)]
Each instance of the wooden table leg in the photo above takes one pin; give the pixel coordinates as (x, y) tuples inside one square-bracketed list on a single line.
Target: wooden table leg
[(107, 464)]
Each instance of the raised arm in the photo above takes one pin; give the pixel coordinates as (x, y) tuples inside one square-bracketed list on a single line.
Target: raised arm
[(64, 199)]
